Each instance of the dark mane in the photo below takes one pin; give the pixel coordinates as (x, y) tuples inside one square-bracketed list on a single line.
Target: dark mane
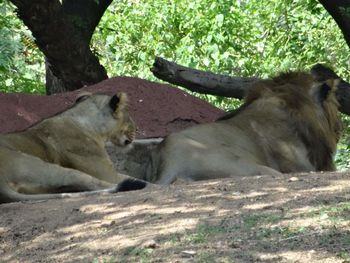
[(303, 99)]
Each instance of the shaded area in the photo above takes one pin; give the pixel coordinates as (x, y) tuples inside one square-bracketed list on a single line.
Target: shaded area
[(291, 218)]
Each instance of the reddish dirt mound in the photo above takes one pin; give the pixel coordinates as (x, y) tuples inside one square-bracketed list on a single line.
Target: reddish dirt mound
[(157, 109)]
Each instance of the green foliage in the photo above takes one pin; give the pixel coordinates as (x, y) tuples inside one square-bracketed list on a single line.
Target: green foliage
[(241, 37), (343, 149), (21, 64)]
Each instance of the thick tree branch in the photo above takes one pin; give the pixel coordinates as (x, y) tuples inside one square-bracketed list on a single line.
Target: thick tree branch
[(85, 14), (235, 87), (68, 54), (201, 81), (340, 11)]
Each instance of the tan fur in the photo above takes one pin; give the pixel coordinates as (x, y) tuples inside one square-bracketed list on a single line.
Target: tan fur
[(66, 153), (286, 124)]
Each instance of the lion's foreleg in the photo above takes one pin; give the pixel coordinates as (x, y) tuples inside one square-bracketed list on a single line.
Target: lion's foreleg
[(33, 175), (9, 195), (30, 178)]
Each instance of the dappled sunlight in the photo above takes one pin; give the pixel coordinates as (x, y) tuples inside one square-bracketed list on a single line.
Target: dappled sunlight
[(207, 195), (329, 188), (277, 189), (145, 208), (250, 216), (131, 238), (119, 227), (300, 211), (308, 255), (295, 256), (254, 194), (82, 229), (316, 222), (318, 217), (111, 208), (261, 205)]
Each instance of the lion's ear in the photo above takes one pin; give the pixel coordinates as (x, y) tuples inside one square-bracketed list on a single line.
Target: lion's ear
[(113, 103), (118, 101), (324, 91), (327, 87)]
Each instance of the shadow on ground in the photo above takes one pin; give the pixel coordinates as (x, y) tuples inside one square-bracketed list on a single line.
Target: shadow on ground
[(292, 218)]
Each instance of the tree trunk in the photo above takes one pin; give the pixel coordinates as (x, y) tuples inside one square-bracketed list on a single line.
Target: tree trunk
[(234, 87), (63, 33), (340, 11), (53, 84)]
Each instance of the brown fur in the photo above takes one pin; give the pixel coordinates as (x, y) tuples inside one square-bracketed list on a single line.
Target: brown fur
[(286, 124), (320, 136)]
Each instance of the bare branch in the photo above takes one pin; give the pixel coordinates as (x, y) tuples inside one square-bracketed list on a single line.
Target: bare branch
[(201, 81)]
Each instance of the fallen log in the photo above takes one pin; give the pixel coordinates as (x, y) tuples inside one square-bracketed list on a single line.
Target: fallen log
[(201, 81)]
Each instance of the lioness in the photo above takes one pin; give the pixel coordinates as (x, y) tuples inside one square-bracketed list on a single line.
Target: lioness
[(66, 153), (287, 124)]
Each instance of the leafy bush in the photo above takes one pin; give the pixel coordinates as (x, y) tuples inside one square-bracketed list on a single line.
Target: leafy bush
[(21, 63), (241, 38)]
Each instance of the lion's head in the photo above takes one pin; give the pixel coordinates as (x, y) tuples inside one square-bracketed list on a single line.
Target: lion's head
[(313, 111), (106, 116)]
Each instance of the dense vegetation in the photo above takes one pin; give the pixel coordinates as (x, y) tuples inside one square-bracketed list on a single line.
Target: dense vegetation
[(21, 63), (231, 37)]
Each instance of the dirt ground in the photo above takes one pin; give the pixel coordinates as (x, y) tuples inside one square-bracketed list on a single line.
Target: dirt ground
[(292, 218)]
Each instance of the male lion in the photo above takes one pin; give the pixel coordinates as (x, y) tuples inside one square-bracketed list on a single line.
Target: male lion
[(287, 124), (66, 153)]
